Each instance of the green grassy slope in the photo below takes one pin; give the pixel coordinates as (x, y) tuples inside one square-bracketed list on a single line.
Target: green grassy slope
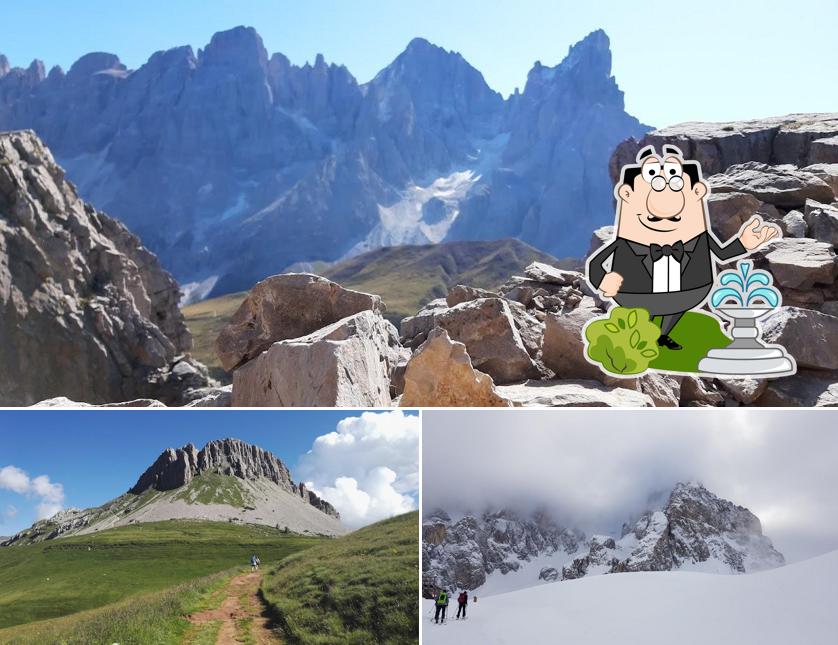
[(406, 277), (67, 575), (158, 618), (359, 589)]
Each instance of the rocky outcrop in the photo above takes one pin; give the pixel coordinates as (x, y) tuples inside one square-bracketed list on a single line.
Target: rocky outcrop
[(782, 186), (348, 363), (460, 554), (87, 312), (286, 306), (176, 468), (440, 374), (808, 335), (797, 139)]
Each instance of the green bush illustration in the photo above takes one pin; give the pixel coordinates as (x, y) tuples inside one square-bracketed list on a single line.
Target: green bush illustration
[(623, 343)]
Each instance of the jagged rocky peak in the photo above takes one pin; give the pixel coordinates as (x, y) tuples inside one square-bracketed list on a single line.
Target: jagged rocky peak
[(461, 553), (177, 467), (87, 311), (694, 529), (240, 46), (96, 63)]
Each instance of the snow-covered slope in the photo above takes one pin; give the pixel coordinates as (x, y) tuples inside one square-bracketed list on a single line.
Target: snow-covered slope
[(791, 604)]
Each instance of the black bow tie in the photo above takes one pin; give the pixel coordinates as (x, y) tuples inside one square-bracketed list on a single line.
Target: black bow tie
[(656, 251)]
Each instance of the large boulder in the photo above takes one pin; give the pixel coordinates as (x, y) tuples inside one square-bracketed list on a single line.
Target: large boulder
[(803, 390), (663, 389), (86, 312), (563, 350), (828, 172), (286, 306), (415, 329), (529, 327), (572, 393), (440, 374), (801, 263), (783, 186), (811, 337), (347, 363), (463, 293), (824, 151), (744, 390), (793, 224), (729, 211), (821, 221), (487, 328)]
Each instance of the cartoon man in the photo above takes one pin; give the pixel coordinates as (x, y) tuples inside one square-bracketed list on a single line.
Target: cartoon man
[(660, 258)]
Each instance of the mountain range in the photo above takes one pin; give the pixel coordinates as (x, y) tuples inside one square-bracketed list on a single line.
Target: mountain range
[(231, 164), (227, 481), (689, 528)]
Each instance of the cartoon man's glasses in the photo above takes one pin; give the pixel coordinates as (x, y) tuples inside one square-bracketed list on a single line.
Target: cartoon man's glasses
[(659, 182)]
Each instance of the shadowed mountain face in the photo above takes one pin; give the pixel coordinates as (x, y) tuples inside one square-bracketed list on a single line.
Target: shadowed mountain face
[(231, 164)]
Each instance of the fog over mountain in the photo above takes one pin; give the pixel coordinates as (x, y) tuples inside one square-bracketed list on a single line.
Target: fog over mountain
[(231, 163), (589, 473)]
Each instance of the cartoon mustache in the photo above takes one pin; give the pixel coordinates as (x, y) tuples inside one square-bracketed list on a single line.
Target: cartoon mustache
[(653, 218)]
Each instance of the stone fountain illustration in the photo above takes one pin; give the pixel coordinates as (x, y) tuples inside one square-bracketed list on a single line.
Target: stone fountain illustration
[(743, 297)]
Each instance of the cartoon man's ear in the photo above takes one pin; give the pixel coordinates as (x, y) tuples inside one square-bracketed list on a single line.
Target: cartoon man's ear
[(700, 189), (624, 192)]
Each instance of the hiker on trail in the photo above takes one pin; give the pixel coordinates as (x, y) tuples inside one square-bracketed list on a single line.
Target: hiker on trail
[(462, 601), (441, 605), (254, 563)]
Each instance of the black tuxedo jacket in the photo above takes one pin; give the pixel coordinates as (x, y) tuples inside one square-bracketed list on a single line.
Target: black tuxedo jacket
[(633, 262)]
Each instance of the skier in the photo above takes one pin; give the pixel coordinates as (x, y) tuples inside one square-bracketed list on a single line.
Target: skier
[(441, 605), (462, 601)]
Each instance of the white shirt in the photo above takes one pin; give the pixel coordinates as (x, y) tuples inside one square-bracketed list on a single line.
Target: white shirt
[(666, 275)]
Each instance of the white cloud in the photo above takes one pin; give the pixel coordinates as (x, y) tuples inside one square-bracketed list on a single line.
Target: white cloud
[(14, 479), (49, 494), (368, 468), (10, 512)]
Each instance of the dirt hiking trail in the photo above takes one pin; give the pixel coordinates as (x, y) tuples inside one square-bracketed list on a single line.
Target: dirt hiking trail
[(241, 614)]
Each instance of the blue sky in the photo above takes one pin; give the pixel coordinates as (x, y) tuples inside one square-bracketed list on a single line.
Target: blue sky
[(707, 60), (96, 454)]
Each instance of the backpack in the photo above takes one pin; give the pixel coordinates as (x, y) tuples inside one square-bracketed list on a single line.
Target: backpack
[(463, 598), (442, 599)]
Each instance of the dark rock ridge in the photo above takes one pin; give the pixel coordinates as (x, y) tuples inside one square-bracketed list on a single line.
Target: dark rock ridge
[(692, 529), (87, 312), (231, 164), (460, 554), (177, 467)]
